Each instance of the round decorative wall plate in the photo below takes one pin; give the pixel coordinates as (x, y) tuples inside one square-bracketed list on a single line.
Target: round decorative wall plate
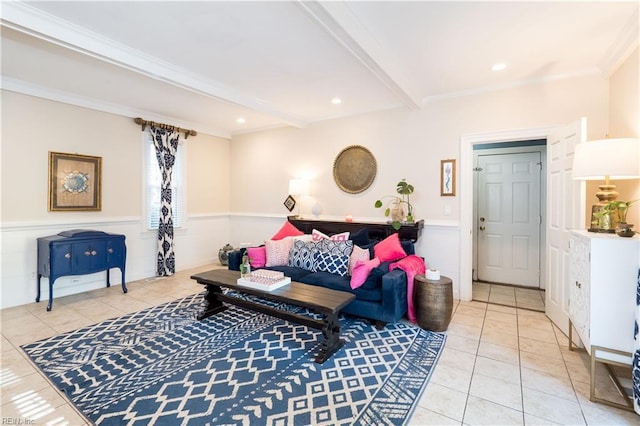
[(354, 169)]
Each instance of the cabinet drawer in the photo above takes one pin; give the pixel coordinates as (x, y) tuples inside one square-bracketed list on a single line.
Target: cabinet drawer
[(115, 252), (89, 256), (61, 257)]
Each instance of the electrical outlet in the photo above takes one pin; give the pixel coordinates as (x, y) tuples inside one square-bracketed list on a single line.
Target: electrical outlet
[(446, 210)]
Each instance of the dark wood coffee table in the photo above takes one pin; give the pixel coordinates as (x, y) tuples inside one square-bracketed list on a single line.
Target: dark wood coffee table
[(322, 300)]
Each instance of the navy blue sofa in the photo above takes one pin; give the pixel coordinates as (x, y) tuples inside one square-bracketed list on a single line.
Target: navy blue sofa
[(382, 298)]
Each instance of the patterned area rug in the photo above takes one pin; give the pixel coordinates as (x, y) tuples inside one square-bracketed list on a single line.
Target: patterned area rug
[(161, 366)]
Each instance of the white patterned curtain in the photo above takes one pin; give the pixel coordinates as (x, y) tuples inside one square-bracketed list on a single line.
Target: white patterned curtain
[(636, 354), (166, 144)]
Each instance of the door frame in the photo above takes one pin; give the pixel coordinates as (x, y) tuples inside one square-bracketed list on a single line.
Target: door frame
[(515, 148), (466, 193)]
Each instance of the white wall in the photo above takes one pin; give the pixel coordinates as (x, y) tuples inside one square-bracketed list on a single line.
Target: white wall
[(406, 144), (31, 127)]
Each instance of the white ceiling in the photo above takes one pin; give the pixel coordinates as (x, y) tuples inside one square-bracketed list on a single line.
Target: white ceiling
[(203, 64)]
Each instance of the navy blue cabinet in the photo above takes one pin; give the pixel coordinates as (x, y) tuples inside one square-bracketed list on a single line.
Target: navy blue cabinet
[(79, 252)]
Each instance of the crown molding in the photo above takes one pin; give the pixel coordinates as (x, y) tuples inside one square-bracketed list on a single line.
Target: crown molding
[(36, 23), (25, 88), (623, 47)]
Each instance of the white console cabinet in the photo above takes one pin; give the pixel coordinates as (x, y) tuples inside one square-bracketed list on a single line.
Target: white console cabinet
[(602, 296)]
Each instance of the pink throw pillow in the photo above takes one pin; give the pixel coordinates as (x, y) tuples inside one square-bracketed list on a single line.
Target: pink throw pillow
[(287, 230), (257, 256), (361, 271), (318, 236), (278, 251), (389, 249), (357, 254)]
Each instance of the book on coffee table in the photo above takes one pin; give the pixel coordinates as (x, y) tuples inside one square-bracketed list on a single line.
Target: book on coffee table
[(266, 280), (246, 282)]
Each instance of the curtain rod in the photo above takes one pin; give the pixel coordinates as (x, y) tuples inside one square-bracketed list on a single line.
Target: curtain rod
[(144, 123)]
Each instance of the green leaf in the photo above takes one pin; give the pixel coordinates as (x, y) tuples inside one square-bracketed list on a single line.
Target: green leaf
[(387, 212), (378, 204), (396, 225)]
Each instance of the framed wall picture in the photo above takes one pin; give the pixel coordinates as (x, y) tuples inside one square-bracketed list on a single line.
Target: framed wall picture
[(448, 178), (290, 203), (75, 182)]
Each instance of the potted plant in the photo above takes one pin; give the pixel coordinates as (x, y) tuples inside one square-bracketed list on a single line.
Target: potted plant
[(395, 207), (617, 211)]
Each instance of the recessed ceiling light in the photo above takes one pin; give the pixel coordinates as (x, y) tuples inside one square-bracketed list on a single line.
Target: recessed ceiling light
[(336, 101), (240, 120), (498, 67)]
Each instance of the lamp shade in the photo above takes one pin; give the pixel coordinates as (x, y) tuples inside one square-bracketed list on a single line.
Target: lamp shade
[(298, 187), (613, 158)]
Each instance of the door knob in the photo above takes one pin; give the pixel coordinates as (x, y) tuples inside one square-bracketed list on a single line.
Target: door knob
[(482, 228), (482, 219)]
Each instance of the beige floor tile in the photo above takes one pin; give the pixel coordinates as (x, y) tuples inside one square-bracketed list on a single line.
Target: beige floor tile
[(497, 391), (502, 299), (480, 296), (483, 412), (452, 377), (474, 304), (505, 371), (579, 371), (20, 331), (424, 417), (547, 336), (598, 415), (533, 305), (553, 366), (531, 420), (540, 348), (470, 332), (500, 338), (444, 401), (502, 327), (462, 343), (457, 359), (501, 317), (503, 290), (467, 320), (472, 311), (535, 323), (503, 309), (499, 352), (547, 383), (553, 408)]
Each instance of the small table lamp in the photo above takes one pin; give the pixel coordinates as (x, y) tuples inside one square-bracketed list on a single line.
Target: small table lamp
[(603, 160), (298, 187)]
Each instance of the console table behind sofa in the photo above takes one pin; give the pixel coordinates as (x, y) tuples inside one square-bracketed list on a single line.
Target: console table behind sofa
[(377, 231)]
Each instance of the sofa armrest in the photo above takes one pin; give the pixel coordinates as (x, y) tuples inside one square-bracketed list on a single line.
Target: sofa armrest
[(394, 294), (235, 259)]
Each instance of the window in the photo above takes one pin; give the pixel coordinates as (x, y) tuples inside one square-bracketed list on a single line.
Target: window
[(153, 182)]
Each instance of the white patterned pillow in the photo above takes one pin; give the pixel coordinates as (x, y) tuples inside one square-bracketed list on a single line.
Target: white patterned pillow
[(303, 255), (319, 236), (358, 253), (343, 248), (278, 251), (332, 263)]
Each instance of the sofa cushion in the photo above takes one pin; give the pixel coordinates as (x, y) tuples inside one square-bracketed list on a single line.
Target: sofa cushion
[(342, 248), (287, 230), (374, 280), (361, 271), (335, 282), (318, 236), (257, 256), (278, 251), (303, 254), (332, 263), (360, 237), (389, 249), (357, 254)]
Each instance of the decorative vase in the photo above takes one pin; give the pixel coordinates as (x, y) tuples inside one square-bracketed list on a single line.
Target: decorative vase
[(625, 229), (397, 213), (223, 254)]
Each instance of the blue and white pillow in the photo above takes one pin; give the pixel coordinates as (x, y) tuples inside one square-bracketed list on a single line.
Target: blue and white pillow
[(343, 248), (332, 263), (303, 254)]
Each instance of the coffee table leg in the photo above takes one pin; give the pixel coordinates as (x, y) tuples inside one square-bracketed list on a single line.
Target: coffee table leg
[(211, 303), (332, 341)]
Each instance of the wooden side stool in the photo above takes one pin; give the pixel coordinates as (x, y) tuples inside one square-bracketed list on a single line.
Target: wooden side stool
[(433, 301)]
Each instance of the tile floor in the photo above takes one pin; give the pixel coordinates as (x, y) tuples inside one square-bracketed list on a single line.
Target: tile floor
[(501, 365), (519, 297)]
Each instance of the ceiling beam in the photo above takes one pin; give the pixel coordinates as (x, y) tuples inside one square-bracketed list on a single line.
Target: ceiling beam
[(341, 23), (34, 22)]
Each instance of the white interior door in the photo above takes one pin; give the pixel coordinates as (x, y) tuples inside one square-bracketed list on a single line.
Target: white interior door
[(509, 218), (565, 211)]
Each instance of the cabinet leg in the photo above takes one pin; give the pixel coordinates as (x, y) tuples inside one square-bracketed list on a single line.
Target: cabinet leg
[(124, 286), (38, 289)]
